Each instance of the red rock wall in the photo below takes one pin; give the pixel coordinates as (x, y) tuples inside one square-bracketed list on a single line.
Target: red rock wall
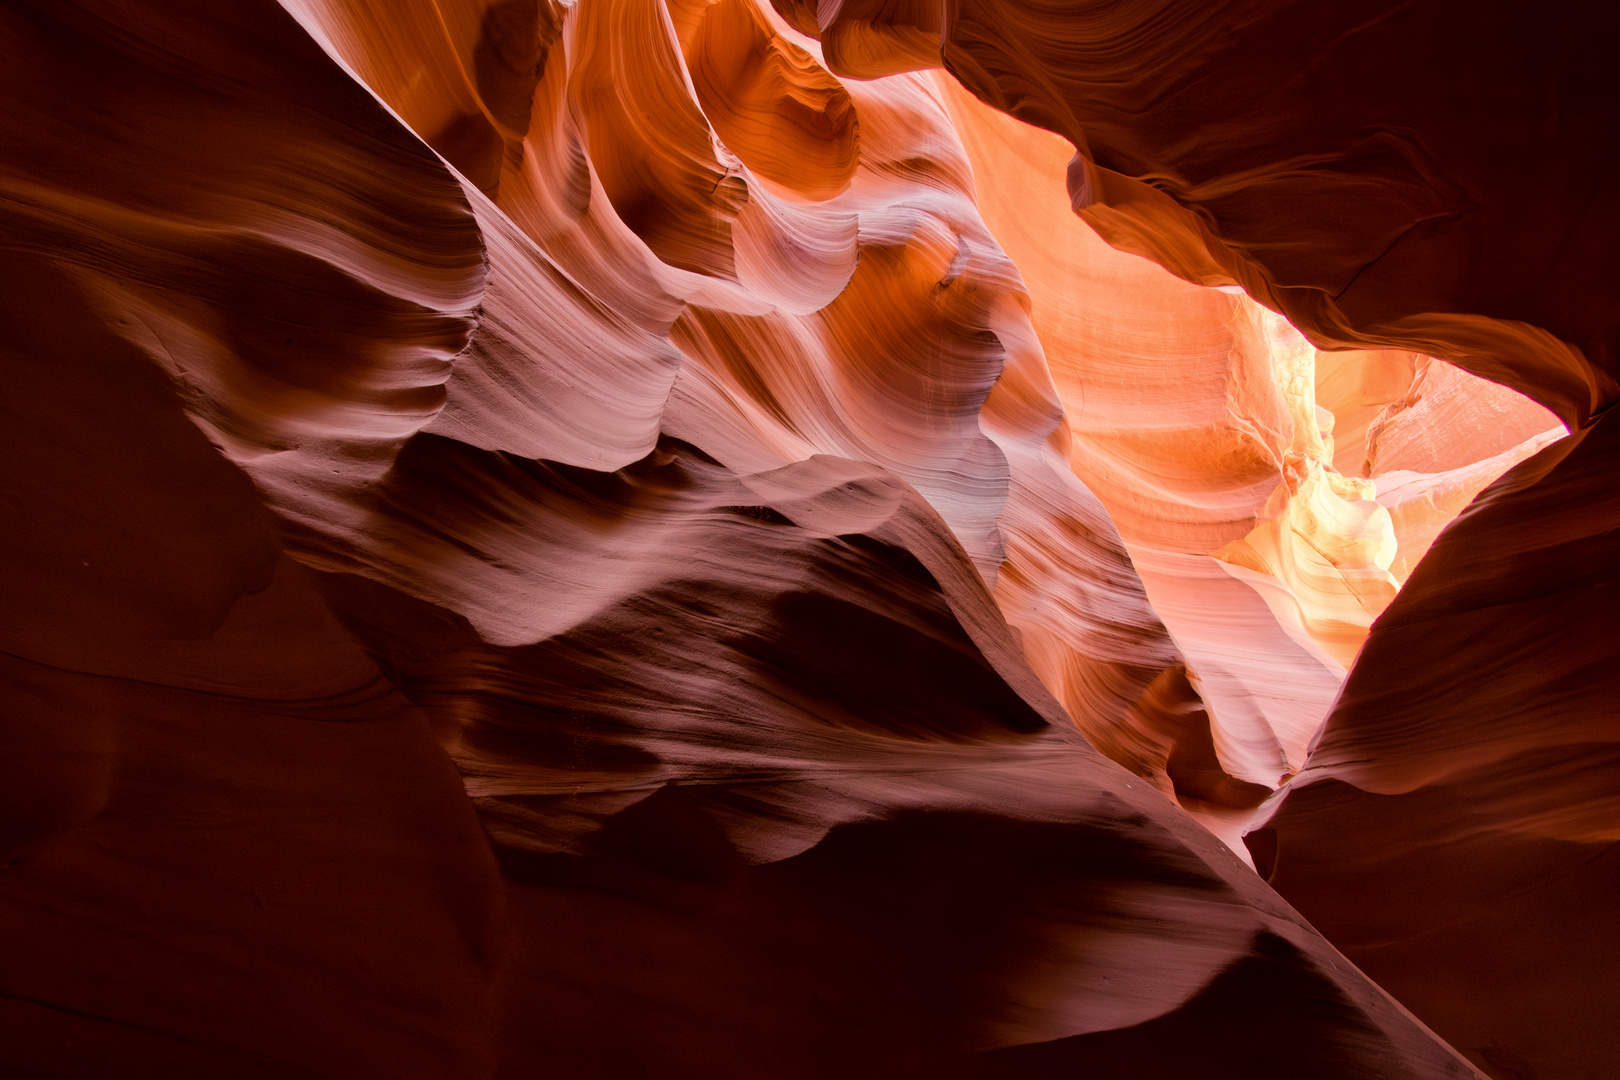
[(557, 539), (1420, 177)]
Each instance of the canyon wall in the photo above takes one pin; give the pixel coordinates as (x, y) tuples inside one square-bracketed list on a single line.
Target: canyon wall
[(660, 538)]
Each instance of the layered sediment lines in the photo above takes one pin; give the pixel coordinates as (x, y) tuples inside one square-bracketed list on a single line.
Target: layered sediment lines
[(556, 538), (1271, 144), (1455, 828), (1272, 495), (1345, 167)]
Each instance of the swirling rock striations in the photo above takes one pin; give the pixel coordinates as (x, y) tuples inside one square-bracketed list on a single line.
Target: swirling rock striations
[(1327, 161), (1346, 166), (1238, 465), (1455, 829), (621, 538)]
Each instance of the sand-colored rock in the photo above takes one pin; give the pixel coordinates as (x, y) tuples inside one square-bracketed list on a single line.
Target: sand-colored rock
[(1448, 803), (1210, 430), (626, 538)]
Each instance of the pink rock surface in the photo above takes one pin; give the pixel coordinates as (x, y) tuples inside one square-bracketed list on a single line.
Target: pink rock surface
[(646, 538)]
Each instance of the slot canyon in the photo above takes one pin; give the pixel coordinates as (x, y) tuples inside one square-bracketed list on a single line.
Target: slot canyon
[(771, 540)]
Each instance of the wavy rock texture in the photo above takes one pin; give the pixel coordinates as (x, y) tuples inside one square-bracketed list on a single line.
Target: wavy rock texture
[(555, 538), (1271, 495), (664, 496), (1457, 801), (1322, 159), (1326, 162), (1305, 149)]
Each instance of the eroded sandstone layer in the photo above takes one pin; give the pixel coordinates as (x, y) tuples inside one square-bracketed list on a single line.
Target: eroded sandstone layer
[(1272, 496), (647, 538)]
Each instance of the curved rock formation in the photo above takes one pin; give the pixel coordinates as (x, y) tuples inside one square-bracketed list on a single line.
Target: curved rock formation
[(1211, 432), (621, 539), (1276, 222), (1285, 152), (1455, 829)]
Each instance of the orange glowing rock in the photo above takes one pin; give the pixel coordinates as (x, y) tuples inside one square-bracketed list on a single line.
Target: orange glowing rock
[(1234, 458), (643, 537)]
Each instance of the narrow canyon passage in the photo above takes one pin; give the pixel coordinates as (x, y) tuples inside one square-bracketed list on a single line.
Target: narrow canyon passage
[(659, 538)]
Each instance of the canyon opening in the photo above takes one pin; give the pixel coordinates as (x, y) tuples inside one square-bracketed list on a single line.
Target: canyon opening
[(767, 540)]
